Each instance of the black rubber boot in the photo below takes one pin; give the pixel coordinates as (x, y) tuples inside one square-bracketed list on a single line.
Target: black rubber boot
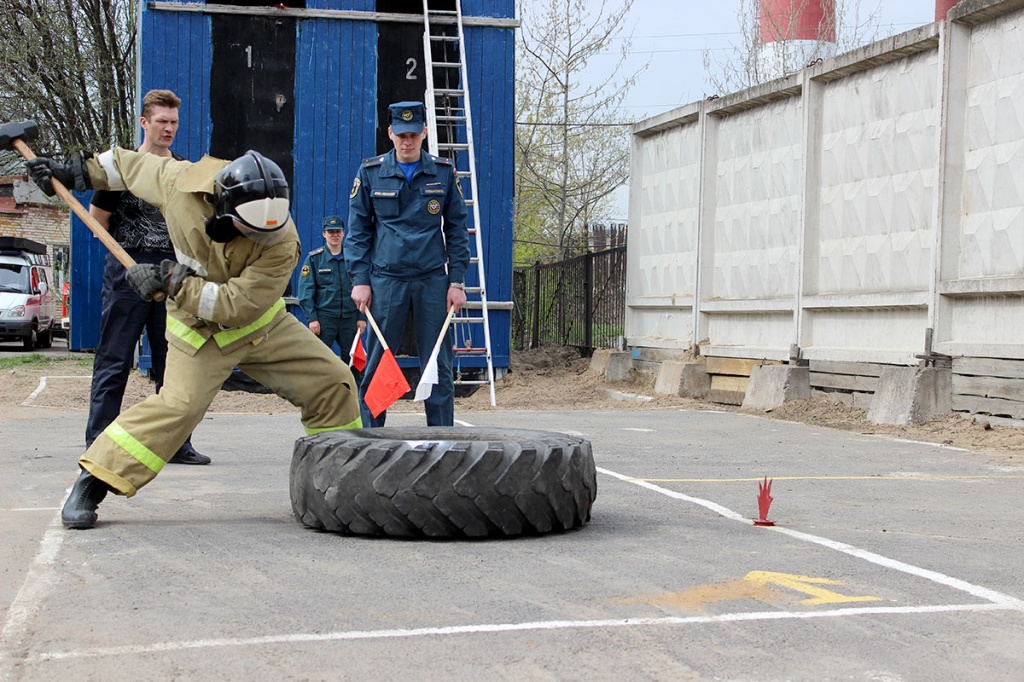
[(187, 454), (80, 509)]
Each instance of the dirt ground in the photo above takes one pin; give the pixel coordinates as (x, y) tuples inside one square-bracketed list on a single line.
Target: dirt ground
[(544, 379)]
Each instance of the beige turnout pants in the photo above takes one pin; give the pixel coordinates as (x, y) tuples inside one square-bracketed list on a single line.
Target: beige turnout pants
[(289, 360)]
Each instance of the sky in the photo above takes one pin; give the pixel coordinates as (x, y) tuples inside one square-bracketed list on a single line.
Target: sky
[(672, 36)]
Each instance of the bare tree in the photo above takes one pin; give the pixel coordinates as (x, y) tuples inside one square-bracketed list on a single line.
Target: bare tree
[(754, 60), (69, 65), (572, 142)]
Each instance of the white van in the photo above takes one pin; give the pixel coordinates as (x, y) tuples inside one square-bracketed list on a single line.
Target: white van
[(28, 307)]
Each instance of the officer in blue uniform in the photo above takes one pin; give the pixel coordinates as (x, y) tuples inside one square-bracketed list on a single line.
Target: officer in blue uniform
[(408, 251), (325, 291)]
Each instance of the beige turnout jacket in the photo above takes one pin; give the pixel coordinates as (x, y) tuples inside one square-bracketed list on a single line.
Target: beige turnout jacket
[(236, 297)]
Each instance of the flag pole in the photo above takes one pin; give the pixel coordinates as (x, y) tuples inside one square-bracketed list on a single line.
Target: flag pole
[(429, 377), (376, 329), (444, 328)]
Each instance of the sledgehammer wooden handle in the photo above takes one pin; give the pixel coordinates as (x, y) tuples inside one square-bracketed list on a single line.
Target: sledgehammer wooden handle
[(82, 212)]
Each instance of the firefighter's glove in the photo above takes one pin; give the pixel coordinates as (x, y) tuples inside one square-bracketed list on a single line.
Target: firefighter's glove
[(148, 278), (71, 173)]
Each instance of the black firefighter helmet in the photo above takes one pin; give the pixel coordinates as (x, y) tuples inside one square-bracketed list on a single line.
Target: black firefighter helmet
[(252, 189)]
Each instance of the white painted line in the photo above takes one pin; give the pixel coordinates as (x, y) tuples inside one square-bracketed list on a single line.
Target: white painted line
[(29, 600), (941, 578), (999, 598), (39, 389), (298, 638), (717, 508), (638, 429), (924, 442), (42, 387)]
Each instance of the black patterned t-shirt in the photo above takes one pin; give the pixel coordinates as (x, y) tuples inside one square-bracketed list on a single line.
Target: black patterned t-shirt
[(135, 224)]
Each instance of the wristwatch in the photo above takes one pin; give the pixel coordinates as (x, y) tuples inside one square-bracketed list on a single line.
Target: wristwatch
[(457, 285)]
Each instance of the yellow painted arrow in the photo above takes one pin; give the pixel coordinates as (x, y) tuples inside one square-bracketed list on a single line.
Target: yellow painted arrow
[(807, 585)]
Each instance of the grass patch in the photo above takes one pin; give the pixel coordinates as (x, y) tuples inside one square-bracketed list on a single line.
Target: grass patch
[(37, 360)]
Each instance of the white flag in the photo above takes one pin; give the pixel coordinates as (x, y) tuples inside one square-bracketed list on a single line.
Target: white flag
[(428, 379)]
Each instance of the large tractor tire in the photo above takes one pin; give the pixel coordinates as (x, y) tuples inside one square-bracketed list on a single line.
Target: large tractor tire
[(443, 482)]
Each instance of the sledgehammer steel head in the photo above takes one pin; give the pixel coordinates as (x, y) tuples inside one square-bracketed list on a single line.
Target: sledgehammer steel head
[(25, 131)]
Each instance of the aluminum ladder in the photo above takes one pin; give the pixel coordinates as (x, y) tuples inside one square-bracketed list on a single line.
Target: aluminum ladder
[(448, 113)]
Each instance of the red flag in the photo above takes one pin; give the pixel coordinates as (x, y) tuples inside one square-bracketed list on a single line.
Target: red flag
[(387, 386), (358, 354)]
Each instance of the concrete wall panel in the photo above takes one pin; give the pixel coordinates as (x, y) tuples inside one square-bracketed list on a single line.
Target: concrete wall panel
[(757, 202), (670, 328), (864, 335), (878, 176), (992, 230), (664, 242)]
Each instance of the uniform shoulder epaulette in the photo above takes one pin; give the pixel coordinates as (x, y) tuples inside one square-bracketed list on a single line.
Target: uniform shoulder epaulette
[(443, 160), (316, 251), (373, 161)]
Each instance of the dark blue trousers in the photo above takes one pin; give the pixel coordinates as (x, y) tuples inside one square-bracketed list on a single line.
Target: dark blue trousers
[(338, 330), (427, 298), (124, 317)]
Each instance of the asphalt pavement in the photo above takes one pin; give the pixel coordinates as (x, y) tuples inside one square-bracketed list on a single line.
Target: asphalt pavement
[(11, 349), (889, 560)]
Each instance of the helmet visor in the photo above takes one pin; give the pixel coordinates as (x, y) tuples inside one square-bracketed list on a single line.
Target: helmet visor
[(261, 237), (263, 215)]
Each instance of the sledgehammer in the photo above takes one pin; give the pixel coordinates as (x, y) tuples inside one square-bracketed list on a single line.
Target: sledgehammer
[(16, 136)]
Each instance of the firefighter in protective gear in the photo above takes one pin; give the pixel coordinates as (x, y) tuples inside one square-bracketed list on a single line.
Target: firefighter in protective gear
[(236, 247)]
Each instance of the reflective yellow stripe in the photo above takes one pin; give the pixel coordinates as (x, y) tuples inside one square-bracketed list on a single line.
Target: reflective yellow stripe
[(229, 336), (185, 332), (133, 447), (357, 424)]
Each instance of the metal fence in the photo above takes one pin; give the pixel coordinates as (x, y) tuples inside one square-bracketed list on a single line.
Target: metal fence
[(578, 302)]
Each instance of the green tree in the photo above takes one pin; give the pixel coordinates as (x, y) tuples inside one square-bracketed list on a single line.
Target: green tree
[(69, 65), (572, 141)]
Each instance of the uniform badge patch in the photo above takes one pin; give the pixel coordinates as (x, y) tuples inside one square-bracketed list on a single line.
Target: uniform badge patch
[(305, 271), (458, 186), (355, 188), (433, 207)]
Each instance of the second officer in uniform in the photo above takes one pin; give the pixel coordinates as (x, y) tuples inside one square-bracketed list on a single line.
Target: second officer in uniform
[(325, 291)]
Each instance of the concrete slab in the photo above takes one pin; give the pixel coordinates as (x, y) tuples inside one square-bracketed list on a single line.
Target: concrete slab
[(772, 386), (599, 361), (911, 395), (696, 382), (628, 397), (670, 378), (620, 363)]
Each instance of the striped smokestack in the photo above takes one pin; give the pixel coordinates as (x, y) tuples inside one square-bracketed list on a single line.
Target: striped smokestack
[(942, 7), (794, 32), (799, 20)]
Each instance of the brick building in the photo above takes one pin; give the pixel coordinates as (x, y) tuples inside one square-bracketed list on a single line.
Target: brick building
[(26, 212)]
